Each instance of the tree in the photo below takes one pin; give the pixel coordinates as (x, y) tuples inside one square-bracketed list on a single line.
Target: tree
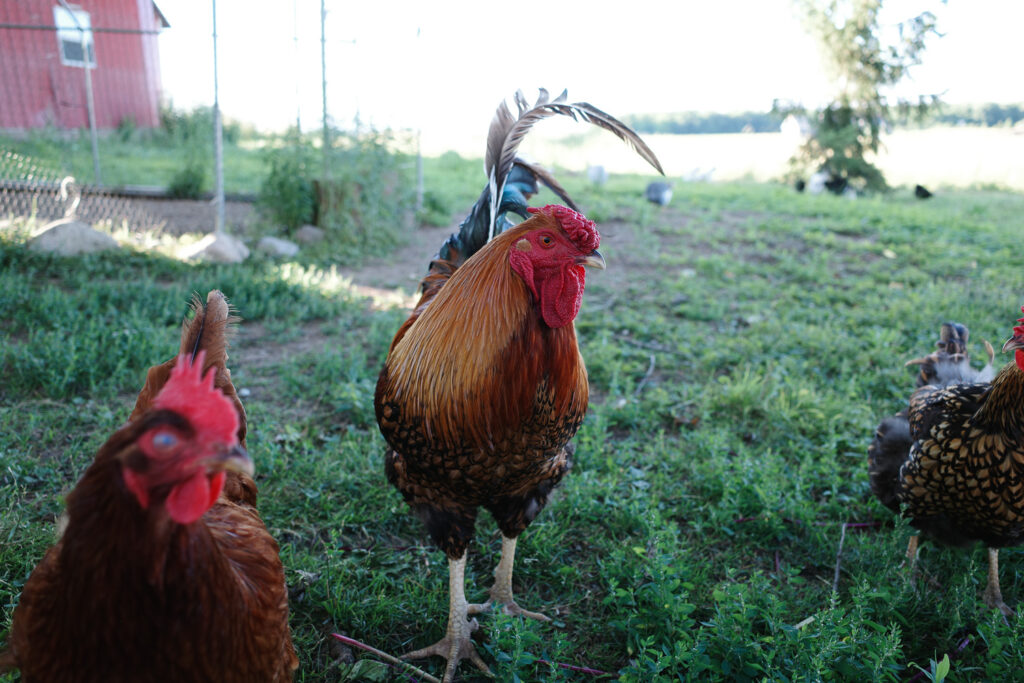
[(863, 61)]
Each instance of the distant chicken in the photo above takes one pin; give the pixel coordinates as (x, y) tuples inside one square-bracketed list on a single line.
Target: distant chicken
[(484, 384), (955, 456), (165, 571)]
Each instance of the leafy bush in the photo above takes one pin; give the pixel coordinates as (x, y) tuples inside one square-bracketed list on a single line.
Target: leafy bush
[(367, 204), (195, 127), (190, 181), (286, 193), (126, 128)]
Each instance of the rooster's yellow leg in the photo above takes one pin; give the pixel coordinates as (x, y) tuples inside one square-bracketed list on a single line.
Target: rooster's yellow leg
[(501, 591), (993, 596), (912, 551), (456, 644)]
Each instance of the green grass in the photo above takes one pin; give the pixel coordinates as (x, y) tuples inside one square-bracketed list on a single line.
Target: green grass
[(135, 162), (742, 346)]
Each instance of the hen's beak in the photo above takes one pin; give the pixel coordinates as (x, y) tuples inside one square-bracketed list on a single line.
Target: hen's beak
[(592, 260), (235, 459), (1014, 342)]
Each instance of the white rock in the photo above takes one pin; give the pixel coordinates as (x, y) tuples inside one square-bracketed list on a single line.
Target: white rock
[(658, 192), (220, 248), (597, 175), (275, 246), (816, 185), (309, 234), (70, 238)]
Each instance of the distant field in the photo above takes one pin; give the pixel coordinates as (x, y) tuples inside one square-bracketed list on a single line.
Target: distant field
[(939, 156)]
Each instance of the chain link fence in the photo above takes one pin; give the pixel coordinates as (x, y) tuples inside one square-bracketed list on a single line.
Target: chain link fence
[(31, 191)]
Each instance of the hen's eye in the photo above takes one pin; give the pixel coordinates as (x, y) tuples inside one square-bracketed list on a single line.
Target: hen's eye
[(165, 440)]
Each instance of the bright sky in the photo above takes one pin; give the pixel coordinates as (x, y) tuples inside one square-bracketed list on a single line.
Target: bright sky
[(647, 56)]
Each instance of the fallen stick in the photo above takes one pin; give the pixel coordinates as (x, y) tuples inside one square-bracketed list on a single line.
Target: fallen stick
[(839, 559), (579, 669), (385, 656)]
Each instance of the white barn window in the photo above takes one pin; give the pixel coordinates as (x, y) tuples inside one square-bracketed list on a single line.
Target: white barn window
[(71, 25)]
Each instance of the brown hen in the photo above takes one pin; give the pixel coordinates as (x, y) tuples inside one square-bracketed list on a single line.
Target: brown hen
[(165, 571)]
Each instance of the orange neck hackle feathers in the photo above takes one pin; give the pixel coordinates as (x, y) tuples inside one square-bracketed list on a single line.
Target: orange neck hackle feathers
[(481, 318)]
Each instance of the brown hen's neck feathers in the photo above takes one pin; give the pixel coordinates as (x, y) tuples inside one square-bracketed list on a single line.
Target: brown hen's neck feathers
[(108, 527), (1003, 409)]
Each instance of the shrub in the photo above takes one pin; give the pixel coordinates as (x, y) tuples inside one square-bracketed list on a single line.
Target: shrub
[(190, 181), (286, 193)]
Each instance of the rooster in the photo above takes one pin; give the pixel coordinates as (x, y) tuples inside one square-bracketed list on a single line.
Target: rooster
[(164, 571), (484, 385), (955, 457)]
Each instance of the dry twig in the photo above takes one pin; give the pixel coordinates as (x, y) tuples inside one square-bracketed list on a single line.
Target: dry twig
[(646, 377), (839, 559), (388, 658)]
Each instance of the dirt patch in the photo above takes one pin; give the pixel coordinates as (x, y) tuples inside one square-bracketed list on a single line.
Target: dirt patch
[(177, 216), (404, 267), (259, 353), (394, 278)]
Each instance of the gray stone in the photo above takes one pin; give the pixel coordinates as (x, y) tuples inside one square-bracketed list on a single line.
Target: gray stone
[(309, 234), (658, 192), (71, 238), (219, 248), (275, 246)]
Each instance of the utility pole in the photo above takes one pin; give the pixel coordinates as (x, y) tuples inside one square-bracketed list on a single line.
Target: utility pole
[(90, 106)]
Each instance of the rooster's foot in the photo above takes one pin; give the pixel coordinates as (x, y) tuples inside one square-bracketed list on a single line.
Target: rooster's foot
[(454, 647), (456, 644), (501, 591), (508, 606), (993, 595)]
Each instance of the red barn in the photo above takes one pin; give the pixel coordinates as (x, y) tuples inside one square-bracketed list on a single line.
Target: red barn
[(43, 53)]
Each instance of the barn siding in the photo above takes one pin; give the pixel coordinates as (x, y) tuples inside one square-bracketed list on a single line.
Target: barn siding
[(37, 90)]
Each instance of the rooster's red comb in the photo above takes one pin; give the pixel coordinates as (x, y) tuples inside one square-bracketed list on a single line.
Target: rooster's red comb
[(191, 394), (1018, 330), (580, 229)]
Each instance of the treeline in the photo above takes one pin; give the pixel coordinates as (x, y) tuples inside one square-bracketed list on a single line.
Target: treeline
[(696, 123), (975, 114), (691, 123)]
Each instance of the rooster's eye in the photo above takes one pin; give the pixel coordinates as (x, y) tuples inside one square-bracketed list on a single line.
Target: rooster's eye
[(165, 440), (546, 240)]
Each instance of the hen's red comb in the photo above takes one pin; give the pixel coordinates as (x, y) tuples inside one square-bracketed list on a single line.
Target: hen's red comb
[(580, 229), (1018, 330), (190, 393)]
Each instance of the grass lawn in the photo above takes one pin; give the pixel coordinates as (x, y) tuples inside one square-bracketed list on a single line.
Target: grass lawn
[(138, 163), (742, 346)]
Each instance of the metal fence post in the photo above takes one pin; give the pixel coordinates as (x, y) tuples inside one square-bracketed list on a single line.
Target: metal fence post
[(89, 105), (218, 136)]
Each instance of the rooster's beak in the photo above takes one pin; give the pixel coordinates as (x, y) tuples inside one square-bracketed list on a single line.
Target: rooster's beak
[(1014, 342), (593, 260), (235, 459)]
